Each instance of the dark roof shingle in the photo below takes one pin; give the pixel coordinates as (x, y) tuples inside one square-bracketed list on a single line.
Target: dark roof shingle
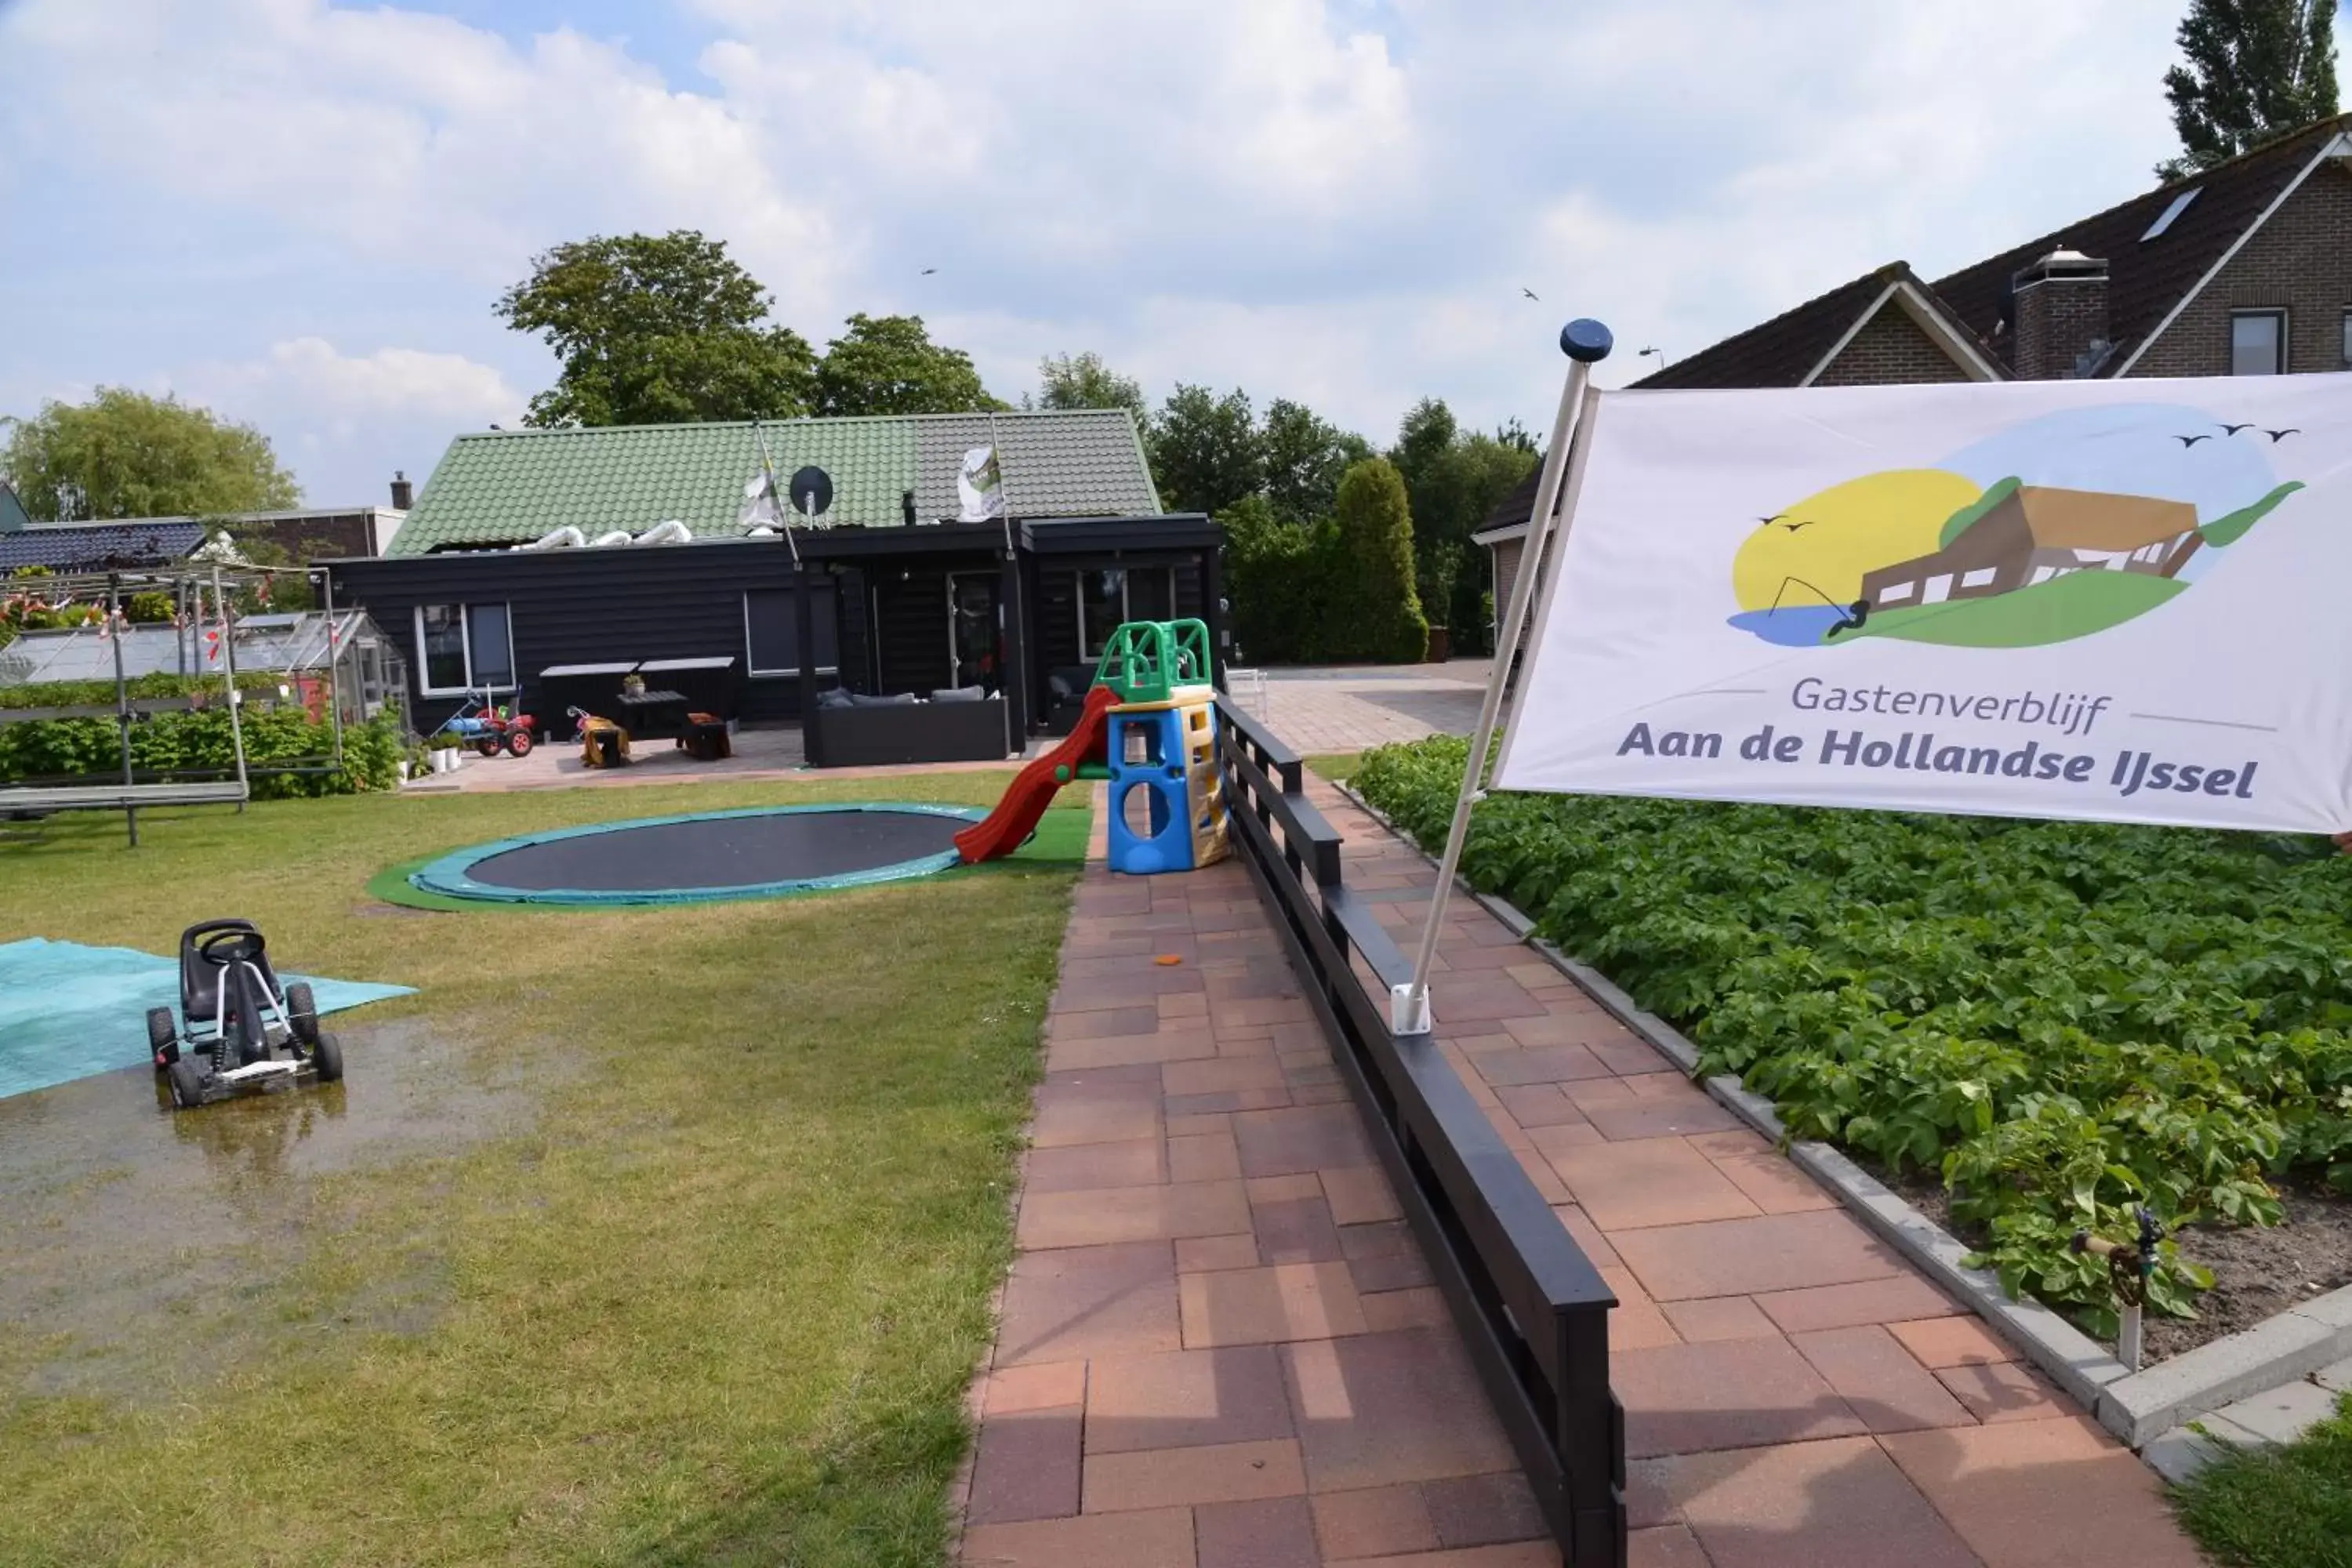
[(92, 547)]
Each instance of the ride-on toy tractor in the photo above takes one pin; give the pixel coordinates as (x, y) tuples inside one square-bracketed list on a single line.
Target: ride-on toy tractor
[(236, 1019)]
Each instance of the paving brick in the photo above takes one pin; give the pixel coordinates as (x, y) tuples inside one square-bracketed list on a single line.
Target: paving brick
[(1379, 1409), (1227, 1099), (2003, 1391), (1359, 1195), (1272, 1532), (1420, 1307), (1095, 1118), (1879, 1380), (1157, 1538), (1900, 1299), (1551, 1064), (1096, 1218), (1283, 1189), (1102, 1025), (1026, 1466), (1183, 1004), (1200, 1126), (1637, 1324), (2043, 1494), (1587, 1236), (1539, 1105), (1163, 1478), (1721, 1317), (1517, 1554), (1649, 1182), (1836, 1504), (1659, 1116), (1009, 1390), (1128, 1050), (1763, 1173), (1199, 1254), (1076, 1302), (1626, 1052), (1663, 1546), (1550, 1141), (1374, 1521), (1296, 1230), (1185, 1399), (1479, 1510), (1072, 1167), (1221, 1073), (1267, 1305), (1747, 1256), (1303, 1138), (1723, 1394), (1206, 1157), (1952, 1341)]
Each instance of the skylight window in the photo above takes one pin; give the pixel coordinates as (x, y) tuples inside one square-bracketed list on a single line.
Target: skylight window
[(2164, 220)]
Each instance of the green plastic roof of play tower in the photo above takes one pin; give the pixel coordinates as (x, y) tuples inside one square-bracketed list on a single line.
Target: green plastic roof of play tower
[(1147, 661)]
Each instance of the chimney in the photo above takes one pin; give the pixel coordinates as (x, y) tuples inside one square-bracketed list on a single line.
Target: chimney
[(402, 496), (906, 507), (2061, 318)]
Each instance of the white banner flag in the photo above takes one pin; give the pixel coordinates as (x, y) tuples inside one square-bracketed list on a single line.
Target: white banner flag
[(2111, 601)]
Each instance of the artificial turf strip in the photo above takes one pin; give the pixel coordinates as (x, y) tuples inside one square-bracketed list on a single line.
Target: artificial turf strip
[(1060, 840), (2287, 1507), (702, 1280)]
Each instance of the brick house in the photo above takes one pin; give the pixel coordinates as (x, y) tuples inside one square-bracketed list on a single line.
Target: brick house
[(2242, 270)]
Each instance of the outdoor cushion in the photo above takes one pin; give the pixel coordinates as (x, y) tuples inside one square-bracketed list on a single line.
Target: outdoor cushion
[(959, 694), (839, 696), (896, 699)]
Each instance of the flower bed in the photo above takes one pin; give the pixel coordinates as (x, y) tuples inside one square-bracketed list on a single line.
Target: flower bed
[(2060, 1020)]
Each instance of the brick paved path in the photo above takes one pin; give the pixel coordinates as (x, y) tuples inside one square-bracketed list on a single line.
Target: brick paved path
[(1219, 1350)]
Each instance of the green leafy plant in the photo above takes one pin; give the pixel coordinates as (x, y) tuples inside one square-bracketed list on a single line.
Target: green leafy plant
[(2059, 1020)]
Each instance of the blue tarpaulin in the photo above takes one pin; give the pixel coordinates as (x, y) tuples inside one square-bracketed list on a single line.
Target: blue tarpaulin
[(67, 1011)]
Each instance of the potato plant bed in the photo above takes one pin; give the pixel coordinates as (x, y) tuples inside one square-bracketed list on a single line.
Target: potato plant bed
[(2058, 1021)]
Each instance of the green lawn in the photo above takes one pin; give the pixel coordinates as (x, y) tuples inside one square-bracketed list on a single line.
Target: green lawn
[(1337, 766), (2278, 1508), (660, 1236)]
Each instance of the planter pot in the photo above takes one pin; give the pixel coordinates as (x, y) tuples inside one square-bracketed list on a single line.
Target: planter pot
[(1441, 645), (403, 770)]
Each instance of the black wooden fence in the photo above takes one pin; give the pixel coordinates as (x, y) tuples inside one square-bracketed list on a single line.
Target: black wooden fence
[(1530, 1304)]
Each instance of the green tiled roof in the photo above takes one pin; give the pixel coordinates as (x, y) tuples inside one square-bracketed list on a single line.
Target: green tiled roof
[(508, 486)]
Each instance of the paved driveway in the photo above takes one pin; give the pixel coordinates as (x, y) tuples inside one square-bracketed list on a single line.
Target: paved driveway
[(1347, 708)]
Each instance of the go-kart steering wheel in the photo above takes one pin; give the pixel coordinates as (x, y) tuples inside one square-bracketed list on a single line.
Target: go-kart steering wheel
[(227, 947)]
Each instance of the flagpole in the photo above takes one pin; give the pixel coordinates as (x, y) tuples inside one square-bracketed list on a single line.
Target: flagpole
[(781, 503), (1586, 343)]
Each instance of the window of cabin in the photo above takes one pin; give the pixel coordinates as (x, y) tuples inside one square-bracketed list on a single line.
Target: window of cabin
[(1108, 595), (464, 647), (771, 631)]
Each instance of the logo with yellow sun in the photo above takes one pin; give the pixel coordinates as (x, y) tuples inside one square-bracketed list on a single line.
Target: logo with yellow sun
[(2054, 528)]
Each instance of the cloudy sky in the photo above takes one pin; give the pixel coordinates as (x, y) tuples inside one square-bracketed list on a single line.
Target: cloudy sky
[(299, 214)]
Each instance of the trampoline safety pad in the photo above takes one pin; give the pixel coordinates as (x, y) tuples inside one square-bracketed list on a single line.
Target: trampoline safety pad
[(761, 852)]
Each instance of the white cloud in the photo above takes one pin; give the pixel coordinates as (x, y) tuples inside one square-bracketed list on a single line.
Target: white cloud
[(1335, 200)]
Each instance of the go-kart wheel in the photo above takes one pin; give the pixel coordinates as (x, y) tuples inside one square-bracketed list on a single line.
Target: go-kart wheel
[(487, 745), (302, 1012), (519, 743), (328, 1054), (187, 1084), (163, 1038)]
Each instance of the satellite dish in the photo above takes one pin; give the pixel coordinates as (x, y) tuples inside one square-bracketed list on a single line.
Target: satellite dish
[(811, 490)]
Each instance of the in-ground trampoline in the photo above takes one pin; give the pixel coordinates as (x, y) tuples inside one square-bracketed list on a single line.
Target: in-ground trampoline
[(763, 852)]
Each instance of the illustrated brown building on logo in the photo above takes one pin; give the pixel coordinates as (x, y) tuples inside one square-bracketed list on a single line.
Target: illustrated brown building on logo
[(2031, 534)]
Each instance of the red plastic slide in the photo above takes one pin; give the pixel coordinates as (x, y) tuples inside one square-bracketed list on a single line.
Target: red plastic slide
[(1006, 828)]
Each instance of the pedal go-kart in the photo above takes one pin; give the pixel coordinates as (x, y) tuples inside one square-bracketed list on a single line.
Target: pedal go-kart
[(235, 1020)]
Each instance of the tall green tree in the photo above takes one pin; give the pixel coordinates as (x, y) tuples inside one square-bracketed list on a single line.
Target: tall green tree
[(1205, 452), (657, 330), (1082, 380), (1376, 597), (888, 365), (125, 453), (2251, 69), (1302, 456)]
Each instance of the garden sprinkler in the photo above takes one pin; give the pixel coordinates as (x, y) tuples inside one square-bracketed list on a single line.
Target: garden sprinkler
[(2129, 1268)]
